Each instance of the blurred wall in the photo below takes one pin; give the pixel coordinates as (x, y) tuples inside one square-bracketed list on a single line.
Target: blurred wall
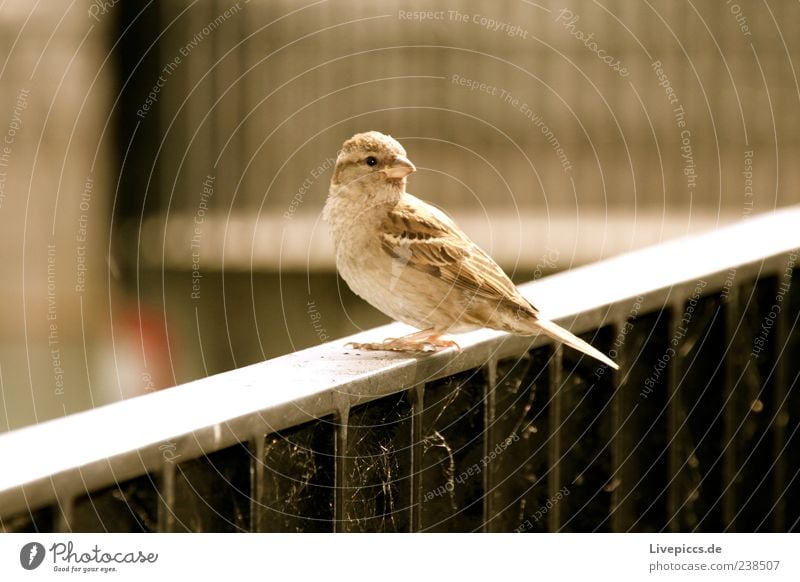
[(55, 191), (163, 165), (556, 133), (537, 124)]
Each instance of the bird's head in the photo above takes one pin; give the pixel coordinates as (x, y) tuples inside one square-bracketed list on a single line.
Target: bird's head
[(372, 162)]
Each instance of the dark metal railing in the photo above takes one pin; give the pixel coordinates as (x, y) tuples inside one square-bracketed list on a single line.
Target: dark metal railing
[(698, 430)]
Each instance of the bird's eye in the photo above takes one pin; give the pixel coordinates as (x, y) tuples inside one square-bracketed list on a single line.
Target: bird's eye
[(371, 160)]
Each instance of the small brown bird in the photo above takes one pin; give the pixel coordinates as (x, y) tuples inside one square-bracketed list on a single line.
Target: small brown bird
[(410, 260)]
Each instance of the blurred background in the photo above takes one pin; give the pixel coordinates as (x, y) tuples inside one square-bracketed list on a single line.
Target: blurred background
[(163, 164)]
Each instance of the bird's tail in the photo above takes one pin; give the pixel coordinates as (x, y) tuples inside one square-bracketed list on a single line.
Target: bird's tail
[(557, 332)]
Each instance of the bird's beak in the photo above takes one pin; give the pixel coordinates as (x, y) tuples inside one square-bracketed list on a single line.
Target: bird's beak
[(400, 168)]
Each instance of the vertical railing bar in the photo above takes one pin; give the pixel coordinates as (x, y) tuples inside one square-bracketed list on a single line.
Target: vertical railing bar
[(618, 518), (166, 498), (781, 415), (216, 83), (554, 449), (674, 497), (63, 513), (243, 90), (258, 449), (730, 304), (340, 470), (489, 399), (417, 397)]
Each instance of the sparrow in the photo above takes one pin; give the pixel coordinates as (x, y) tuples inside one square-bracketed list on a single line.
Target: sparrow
[(408, 259)]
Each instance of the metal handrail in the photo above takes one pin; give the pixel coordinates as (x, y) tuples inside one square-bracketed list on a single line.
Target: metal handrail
[(61, 459)]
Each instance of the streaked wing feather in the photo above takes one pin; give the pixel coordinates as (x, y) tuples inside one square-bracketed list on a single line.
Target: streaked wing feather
[(432, 243)]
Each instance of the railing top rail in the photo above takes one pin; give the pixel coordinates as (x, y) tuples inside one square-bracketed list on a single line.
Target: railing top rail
[(119, 441)]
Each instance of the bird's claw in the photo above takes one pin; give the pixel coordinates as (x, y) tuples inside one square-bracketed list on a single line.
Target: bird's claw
[(416, 346)]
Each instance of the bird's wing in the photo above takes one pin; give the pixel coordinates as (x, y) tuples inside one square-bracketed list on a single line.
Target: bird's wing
[(429, 241)]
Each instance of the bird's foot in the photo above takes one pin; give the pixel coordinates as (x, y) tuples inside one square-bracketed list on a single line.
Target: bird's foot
[(423, 342)]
